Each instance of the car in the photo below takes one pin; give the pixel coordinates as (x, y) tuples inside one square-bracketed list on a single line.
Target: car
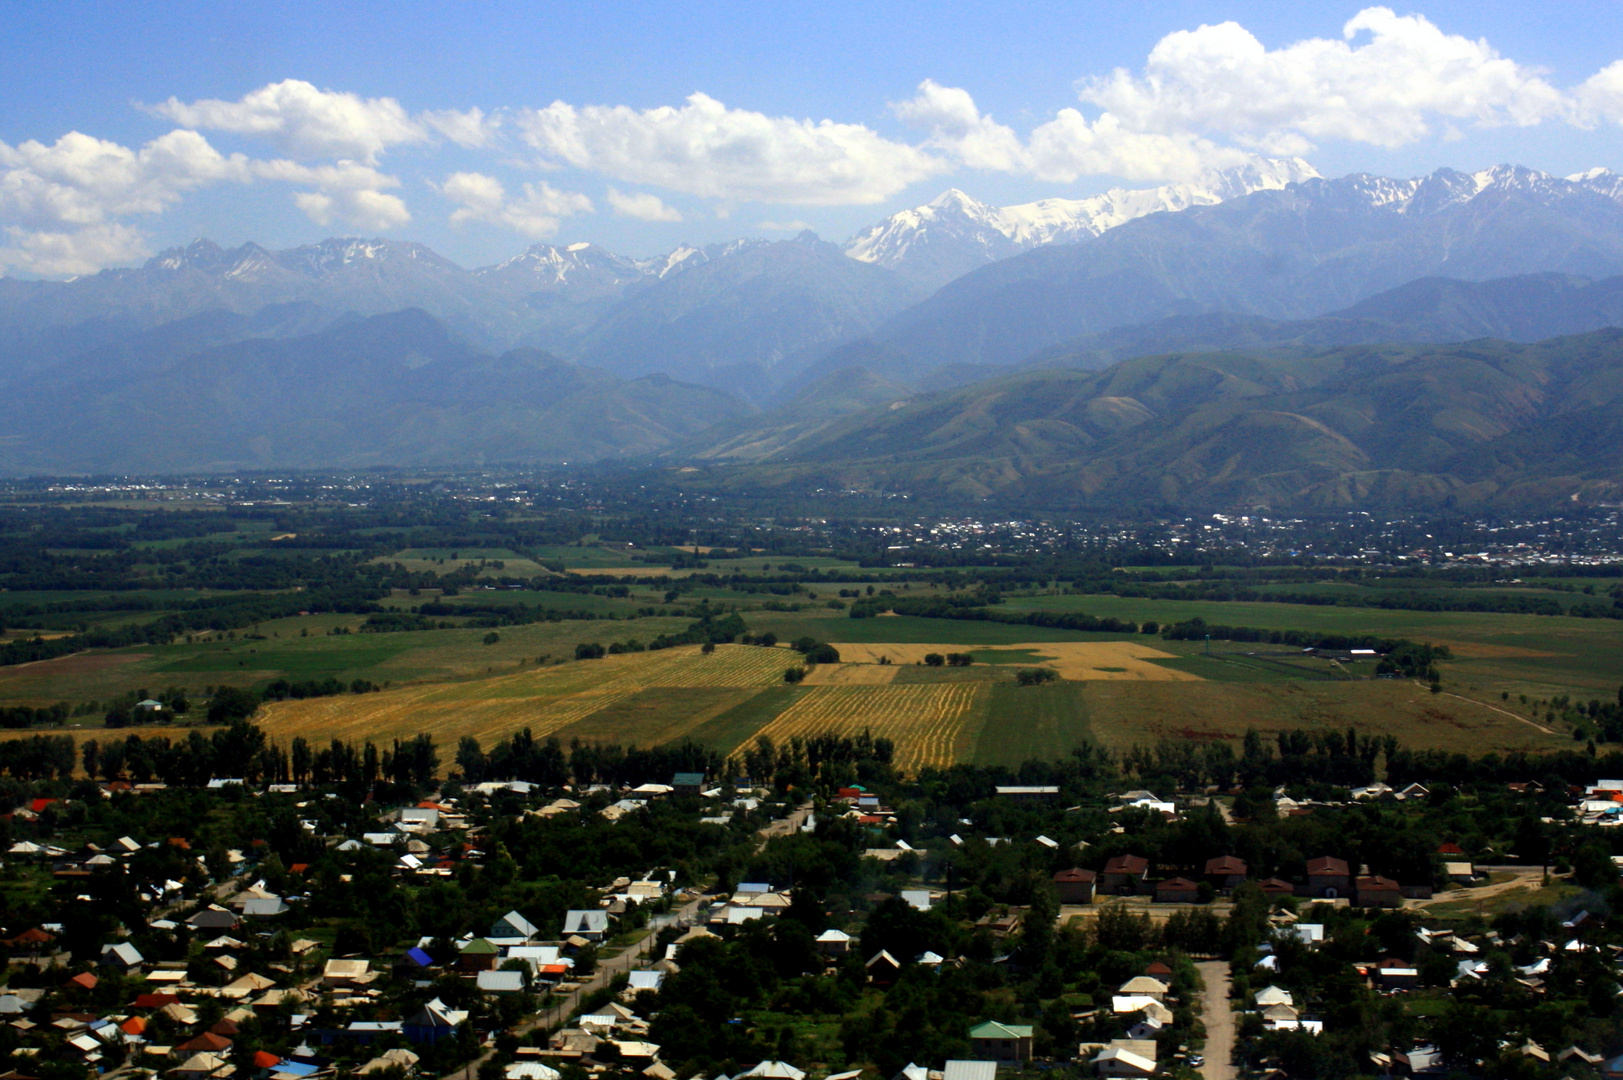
[(1196, 1061)]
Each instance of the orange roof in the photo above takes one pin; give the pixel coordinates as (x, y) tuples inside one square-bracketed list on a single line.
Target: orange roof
[(83, 980), (135, 1025), (265, 1060), (38, 805)]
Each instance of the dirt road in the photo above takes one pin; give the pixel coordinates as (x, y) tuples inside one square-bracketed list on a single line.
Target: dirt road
[(1219, 1019)]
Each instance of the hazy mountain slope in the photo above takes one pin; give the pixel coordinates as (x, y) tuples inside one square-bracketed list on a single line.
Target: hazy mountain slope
[(1527, 308), (1482, 422), (1317, 246), (732, 321), (815, 408), (391, 389)]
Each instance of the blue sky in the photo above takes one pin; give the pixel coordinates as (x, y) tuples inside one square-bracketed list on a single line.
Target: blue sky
[(479, 129)]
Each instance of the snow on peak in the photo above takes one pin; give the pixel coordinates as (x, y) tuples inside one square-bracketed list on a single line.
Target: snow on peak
[(1001, 231), (1599, 172)]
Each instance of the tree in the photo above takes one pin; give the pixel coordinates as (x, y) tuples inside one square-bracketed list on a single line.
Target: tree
[(232, 703)]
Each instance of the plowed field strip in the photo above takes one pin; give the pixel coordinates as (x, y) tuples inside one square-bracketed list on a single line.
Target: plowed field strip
[(924, 721)]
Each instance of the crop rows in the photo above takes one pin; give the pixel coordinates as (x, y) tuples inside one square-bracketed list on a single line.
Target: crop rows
[(925, 721)]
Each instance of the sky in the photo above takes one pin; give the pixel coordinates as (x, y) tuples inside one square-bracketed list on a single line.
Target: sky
[(480, 129)]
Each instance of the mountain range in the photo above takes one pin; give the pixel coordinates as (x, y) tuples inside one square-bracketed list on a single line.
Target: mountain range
[(792, 362)]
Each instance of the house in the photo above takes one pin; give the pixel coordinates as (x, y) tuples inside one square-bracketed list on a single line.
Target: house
[(264, 907), (433, 1022), (917, 899), (501, 982), (347, 972), (1126, 1057), (638, 981), (1377, 891), (687, 783), (1273, 995), (1001, 1042), (1328, 878), (593, 925), (1460, 872), (1275, 888), (1145, 986), (213, 918), (833, 943), (1225, 872), (773, 1070), (1395, 975), (514, 925), (1177, 890), (964, 1070), (480, 954), (1028, 793), (1075, 886), (1124, 875), (124, 956), (882, 968)]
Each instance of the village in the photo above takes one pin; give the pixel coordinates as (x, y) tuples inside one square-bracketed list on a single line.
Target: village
[(528, 932)]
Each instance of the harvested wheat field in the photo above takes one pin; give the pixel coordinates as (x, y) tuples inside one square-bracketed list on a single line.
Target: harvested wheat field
[(544, 700), (851, 675), (1078, 660), (930, 724)]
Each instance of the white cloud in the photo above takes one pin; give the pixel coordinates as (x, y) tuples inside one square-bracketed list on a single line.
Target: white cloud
[(60, 202), (642, 206), (783, 226), (704, 148), (304, 121), (53, 252), (957, 127), (474, 128), (346, 191), (1387, 89), (537, 213), (82, 180)]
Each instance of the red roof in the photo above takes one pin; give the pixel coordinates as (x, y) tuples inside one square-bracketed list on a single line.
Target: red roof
[(208, 1043), (1177, 884), (1127, 864), (154, 1001), (1158, 968), (135, 1025), (298, 868), (84, 980), (1074, 875), (265, 1060), (1450, 848), (1227, 865), (33, 936), (1273, 884), (39, 805), (1327, 867), (1376, 884)]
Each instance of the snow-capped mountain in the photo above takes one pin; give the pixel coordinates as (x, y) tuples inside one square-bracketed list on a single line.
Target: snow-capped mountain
[(954, 233), (1294, 253)]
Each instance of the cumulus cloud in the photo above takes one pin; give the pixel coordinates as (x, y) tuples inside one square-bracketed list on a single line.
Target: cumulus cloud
[(304, 121), (957, 127), (82, 180), (1386, 82), (473, 128), (704, 148), (346, 191), (56, 252), (60, 201), (537, 213), (642, 206)]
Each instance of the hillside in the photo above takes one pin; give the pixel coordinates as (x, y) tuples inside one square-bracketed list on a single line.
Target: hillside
[(395, 389), (1485, 422)]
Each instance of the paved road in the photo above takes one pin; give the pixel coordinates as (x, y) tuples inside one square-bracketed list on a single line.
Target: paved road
[(1219, 1019)]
